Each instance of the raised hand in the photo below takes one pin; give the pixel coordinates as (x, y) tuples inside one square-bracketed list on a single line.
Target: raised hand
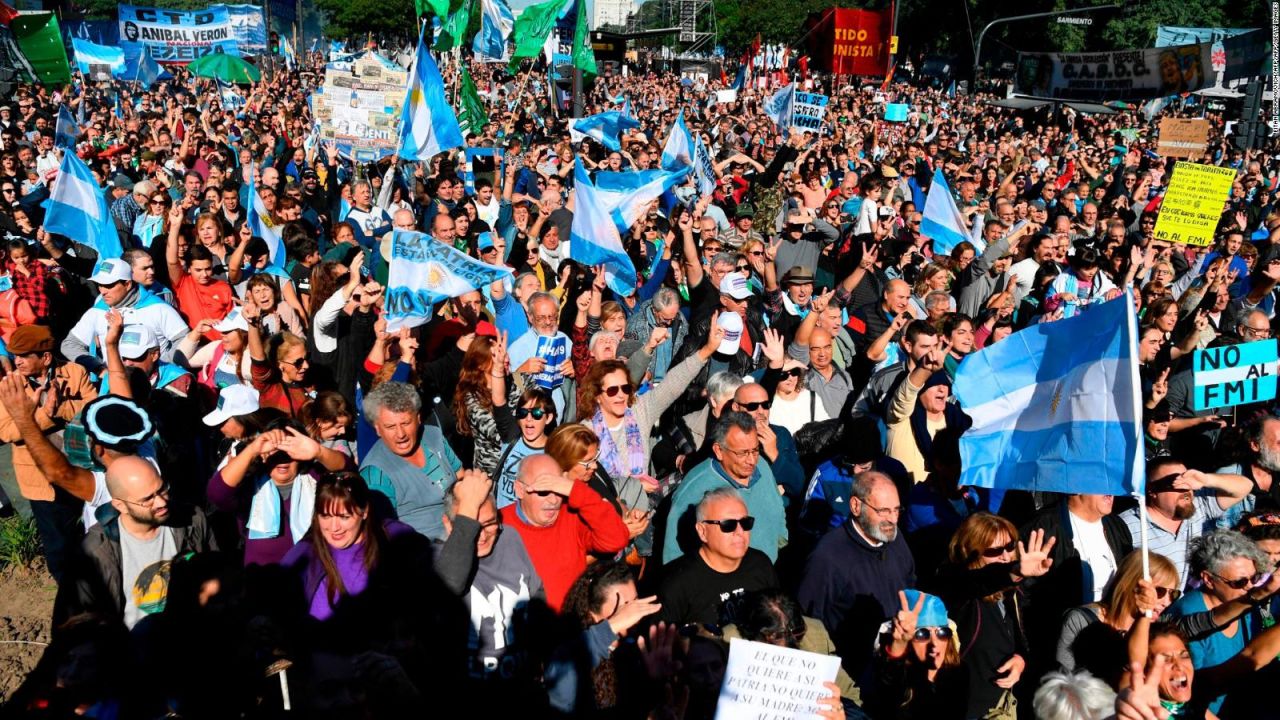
[(627, 615), (1141, 700), (1033, 556), (471, 489), (821, 301), (300, 447), (13, 393), (659, 650), (906, 620), (714, 334), (870, 254), (115, 327), (1160, 388), (774, 348)]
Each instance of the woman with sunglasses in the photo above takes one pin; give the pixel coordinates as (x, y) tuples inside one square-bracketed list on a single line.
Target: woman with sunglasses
[(534, 413), (981, 582), (150, 224), (282, 382), (1093, 635), (794, 405), (577, 449), (917, 671)]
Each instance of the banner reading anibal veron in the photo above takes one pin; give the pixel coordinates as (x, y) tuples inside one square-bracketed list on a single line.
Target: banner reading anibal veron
[(1117, 75), (177, 36)]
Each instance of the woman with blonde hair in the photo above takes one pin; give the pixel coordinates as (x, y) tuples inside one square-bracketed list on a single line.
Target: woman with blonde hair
[(981, 586), (1093, 635), (577, 449), (933, 278)]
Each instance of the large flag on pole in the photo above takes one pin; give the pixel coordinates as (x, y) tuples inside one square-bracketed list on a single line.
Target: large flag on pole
[(454, 28), (626, 195), (533, 27), (584, 58), (496, 24), (941, 219), (32, 44), (472, 115), (603, 127), (424, 271), (97, 62), (66, 131), (77, 208), (439, 8), (781, 107), (428, 126), (594, 238), (684, 149), (259, 228), (1057, 407)]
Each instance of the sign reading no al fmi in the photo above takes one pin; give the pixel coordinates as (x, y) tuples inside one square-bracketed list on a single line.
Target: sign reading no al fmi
[(1234, 374)]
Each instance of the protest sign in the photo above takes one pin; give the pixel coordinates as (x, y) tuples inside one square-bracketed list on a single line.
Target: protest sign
[(896, 112), (555, 350), (769, 682), (1234, 374), (359, 106), (469, 164), (1115, 75), (1183, 138), (810, 109), (176, 36), (726, 96), (423, 272), (1193, 203)]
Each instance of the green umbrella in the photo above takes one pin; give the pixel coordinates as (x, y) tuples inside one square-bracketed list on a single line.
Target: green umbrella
[(224, 67)]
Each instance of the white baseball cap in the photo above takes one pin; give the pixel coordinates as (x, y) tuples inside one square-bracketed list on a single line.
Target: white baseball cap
[(233, 321), (111, 271), (233, 400), (136, 341), (735, 285), (732, 325)]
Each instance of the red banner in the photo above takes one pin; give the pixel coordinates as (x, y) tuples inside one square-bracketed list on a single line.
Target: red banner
[(850, 42)]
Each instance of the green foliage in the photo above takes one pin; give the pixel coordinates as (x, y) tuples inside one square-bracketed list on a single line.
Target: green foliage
[(357, 19), (101, 9), (19, 542)]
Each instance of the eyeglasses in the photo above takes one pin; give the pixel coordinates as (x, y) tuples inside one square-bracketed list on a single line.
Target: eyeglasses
[(8, 190), (731, 524), (150, 500), (535, 413), (711, 249), (1257, 332), (923, 634), (794, 372), (753, 406), (613, 390), (749, 452), (888, 511), (297, 364), (493, 526), (588, 464), (999, 550), (1173, 594), (1238, 583), (756, 253), (743, 267), (158, 201)]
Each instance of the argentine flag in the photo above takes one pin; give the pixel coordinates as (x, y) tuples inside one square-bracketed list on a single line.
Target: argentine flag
[(258, 227), (496, 22), (89, 55), (782, 106), (594, 238), (1057, 407), (685, 150), (604, 128), (626, 195), (428, 126), (67, 130), (424, 271), (77, 208), (942, 220)]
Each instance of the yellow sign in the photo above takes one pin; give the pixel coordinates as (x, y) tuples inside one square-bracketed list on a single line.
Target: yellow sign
[(1193, 204), (893, 44)]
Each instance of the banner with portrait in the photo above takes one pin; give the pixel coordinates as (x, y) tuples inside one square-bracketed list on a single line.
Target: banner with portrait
[(176, 36), (1115, 75)]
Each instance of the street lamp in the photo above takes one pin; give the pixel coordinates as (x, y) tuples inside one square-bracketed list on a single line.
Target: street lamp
[(977, 49)]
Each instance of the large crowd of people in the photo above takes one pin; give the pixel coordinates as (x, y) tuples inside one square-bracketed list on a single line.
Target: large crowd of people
[(256, 500)]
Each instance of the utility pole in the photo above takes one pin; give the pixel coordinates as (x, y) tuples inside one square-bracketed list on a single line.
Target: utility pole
[(977, 49)]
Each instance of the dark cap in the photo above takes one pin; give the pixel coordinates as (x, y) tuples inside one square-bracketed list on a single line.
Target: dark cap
[(797, 276), (31, 339), (745, 210)]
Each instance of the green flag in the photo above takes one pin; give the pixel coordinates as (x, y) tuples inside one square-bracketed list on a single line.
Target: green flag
[(532, 28), (454, 28), (41, 42), (437, 7), (584, 58), (471, 114)]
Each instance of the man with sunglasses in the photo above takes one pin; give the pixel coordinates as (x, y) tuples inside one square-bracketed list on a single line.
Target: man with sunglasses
[(1182, 505), (852, 580), (705, 587), (777, 446)]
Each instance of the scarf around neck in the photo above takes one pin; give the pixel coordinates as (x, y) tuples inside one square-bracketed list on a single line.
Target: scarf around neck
[(611, 457)]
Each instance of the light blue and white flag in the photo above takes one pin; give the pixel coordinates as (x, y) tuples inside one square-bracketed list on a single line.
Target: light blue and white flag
[(92, 58), (604, 128), (77, 208), (428, 126), (231, 99), (683, 150), (146, 71), (259, 228), (67, 130), (594, 238), (626, 195), (782, 106), (424, 271), (496, 23), (1057, 407), (941, 219)]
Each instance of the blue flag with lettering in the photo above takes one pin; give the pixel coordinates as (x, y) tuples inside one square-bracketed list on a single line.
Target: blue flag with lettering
[(424, 272)]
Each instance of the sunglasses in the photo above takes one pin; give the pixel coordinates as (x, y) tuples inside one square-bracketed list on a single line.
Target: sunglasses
[(923, 634), (731, 525), (297, 364), (536, 413), (1173, 594), (743, 267), (753, 406), (612, 391), (999, 550), (1237, 584), (794, 372)]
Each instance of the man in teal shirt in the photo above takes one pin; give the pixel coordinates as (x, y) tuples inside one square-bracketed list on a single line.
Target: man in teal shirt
[(736, 464)]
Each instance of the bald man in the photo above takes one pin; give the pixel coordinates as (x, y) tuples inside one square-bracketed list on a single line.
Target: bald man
[(124, 569), (830, 383)]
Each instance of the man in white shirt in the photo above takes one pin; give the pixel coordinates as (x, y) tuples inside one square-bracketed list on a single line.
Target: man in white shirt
[(118, 291)]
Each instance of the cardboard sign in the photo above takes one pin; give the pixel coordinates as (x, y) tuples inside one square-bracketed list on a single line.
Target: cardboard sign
[(810, 109), (768, 682), (896, 112), (555, 350), (1183, 138), (1193, 204), (1234, 375), (359, 106)]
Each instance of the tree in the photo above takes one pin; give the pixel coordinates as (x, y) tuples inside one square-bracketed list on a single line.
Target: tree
[(356, 19)]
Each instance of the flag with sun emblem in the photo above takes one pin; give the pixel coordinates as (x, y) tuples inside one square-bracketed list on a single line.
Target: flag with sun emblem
[(428, 126), (424, 272), (1057, 407)]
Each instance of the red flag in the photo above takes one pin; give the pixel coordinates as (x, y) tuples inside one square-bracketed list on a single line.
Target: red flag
[(803, 66), (7, 14), (755, 46)]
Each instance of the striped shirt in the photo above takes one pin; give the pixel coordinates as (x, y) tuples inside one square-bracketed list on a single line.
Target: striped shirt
[(1176, 545)]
